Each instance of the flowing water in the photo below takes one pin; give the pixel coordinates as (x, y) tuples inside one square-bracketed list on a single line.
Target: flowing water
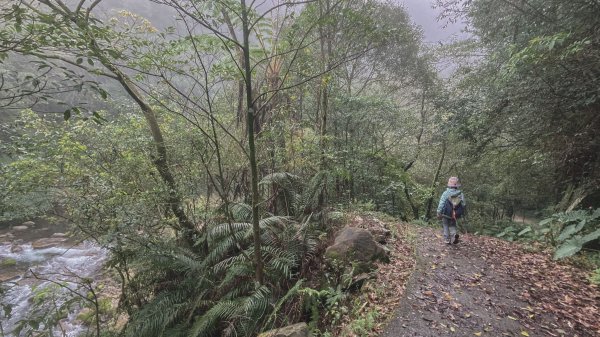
[(66, 263)]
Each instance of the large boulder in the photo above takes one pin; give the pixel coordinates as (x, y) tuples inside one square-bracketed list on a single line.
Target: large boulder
[(296, 330), (380, 234), (20, 228), (28, 224), (355, 244)]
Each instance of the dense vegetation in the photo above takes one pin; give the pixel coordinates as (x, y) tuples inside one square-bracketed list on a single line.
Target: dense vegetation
[(210, 153)]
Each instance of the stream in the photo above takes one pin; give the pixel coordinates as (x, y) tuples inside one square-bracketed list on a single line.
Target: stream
[(44, 251)]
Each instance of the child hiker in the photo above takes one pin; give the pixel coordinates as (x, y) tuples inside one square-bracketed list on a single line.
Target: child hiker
[(451, 207)]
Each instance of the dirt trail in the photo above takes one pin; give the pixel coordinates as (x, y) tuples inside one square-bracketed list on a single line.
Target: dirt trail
[(488, 287)]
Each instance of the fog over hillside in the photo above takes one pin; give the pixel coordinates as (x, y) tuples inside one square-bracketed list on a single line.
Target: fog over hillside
[(162, 16)]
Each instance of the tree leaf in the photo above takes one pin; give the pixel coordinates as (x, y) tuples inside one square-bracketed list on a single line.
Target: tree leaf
[(596, 214), (524, 231), (569, 248), (590, 237), (570, 230)]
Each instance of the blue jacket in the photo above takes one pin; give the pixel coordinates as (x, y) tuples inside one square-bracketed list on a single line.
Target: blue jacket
[(447, 194)]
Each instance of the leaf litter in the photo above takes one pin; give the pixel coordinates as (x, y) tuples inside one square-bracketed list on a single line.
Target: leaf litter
[(482, 287)]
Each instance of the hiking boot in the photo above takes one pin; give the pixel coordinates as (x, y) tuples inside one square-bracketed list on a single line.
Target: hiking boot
[(456, 236)]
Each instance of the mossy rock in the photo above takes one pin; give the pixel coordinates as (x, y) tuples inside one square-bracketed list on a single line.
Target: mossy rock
[(356, 245), (8, 262)]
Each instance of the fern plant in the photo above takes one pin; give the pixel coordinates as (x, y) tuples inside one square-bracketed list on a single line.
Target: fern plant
[(217, 295)]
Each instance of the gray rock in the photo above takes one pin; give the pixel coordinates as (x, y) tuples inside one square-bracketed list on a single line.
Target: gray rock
[(59, 235), (47, 243), (20, 228), (28, 224), (355, 244), (296, 330), (16, 249), (9, 276)]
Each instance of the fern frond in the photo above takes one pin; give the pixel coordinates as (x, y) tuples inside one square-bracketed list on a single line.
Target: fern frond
[(290, 293), (287, 181), (207, 324), (220, 231), (230, 261), (274, 222), (316, 186), (155, 316), (220, 249), (241, 212)]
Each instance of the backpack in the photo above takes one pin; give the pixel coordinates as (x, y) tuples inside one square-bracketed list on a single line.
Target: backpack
[(454, 207)]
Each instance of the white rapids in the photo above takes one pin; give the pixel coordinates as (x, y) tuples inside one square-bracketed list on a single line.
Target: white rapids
[(58, 264)]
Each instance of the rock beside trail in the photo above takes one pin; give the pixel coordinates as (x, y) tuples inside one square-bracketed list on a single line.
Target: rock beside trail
[(380, 234), (20, 228), (59, 235), (28, 224), (355, 244), (296, 330), (47, 243)]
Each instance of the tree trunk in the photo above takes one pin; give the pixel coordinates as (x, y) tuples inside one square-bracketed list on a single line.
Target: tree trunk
[(435, 179), (250, 115), (161, 161)]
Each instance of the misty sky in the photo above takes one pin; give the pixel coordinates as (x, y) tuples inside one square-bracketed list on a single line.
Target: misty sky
[(425, 16)]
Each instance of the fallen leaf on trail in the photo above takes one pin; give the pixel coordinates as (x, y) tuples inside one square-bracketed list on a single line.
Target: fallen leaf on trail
[(477, 333), (514, 319), (524, 333), (452, 329)]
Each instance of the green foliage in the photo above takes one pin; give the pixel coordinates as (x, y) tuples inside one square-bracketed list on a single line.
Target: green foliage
[(569, 232), (577, 229), (99, 168), (327, 305), (364, 325), (511, 107), (595, 277), (49, 304)]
